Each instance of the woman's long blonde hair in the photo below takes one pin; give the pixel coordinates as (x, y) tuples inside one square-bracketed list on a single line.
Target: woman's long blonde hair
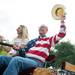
[(24, 32)]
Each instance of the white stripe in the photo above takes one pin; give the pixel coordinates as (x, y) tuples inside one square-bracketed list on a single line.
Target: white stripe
[(57, 38), (62, 23), (62, 30), (40, 49), (43, 42), (35, 56)]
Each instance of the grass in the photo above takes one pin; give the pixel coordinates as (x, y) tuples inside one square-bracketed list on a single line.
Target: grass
[(3, 52)]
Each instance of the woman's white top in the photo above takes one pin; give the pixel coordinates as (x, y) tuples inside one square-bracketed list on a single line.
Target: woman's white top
[(18, 42)]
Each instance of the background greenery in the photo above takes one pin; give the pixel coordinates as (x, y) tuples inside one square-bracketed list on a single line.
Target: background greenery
[(65, 52)]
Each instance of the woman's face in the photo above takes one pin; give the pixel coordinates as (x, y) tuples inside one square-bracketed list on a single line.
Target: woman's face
[(19, 30)]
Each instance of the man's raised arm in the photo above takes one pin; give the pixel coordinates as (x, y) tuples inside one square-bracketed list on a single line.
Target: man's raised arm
[(55, 39)]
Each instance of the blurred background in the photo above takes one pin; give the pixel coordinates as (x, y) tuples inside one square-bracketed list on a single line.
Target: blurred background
[(33, 13)]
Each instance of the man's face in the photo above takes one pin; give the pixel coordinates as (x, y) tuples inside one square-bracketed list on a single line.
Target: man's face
[(43, 30)]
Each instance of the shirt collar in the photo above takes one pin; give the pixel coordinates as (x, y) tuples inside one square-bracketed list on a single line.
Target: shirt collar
[(42, 36)]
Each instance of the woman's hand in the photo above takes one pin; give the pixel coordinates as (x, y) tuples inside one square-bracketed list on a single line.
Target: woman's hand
[(16, 47)]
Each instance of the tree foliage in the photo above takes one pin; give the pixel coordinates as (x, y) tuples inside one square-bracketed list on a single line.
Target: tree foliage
[(66, 52)]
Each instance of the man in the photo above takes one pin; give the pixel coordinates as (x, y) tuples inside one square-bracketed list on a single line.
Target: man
[(36, 55)]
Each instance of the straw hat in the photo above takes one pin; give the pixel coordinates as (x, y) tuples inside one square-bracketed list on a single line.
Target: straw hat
[(58, 11)]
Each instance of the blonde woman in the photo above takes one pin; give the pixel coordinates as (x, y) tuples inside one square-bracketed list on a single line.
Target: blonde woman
[(21, 40)]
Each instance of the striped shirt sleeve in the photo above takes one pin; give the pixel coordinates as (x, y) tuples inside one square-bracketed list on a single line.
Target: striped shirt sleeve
[(55, 39)]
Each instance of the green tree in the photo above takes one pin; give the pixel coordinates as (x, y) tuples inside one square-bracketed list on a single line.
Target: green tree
[(66, 52)]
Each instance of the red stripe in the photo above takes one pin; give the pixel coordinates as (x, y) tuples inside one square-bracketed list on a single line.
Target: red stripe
[(42, 54), (50, 39), (42, 45), (61, 35), (55, 40), (43, 39)]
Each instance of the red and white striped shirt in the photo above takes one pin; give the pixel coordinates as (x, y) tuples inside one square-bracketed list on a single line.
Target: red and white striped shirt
[(43, 45)]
